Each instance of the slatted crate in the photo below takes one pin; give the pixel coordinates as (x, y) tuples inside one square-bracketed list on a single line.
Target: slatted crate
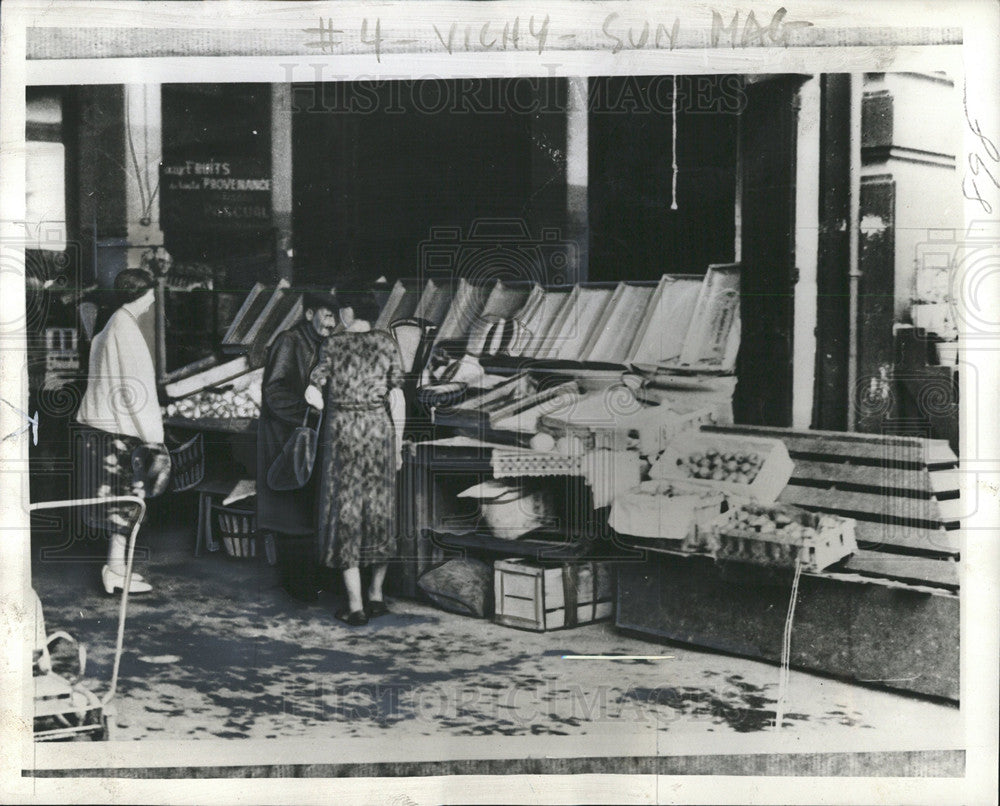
[(549, 596)]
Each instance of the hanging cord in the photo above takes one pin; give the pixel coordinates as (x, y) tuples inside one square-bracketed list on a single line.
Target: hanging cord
[(673, 149), (786, 648), (145, 202)]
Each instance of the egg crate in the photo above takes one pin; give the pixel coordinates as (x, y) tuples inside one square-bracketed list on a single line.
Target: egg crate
[(513, 462), (783, 536), (748, 467)]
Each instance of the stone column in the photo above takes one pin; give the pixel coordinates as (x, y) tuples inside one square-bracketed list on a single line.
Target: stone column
[(281, 178), (143, 154), (577, 216)]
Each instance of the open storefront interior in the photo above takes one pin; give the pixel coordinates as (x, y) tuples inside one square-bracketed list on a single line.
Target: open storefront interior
[(652, 410)]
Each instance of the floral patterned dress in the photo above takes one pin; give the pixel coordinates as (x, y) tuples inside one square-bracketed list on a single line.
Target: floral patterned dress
[(357, 453)]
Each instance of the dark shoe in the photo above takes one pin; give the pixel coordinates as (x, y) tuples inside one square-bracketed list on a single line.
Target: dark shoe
[(352, 618), (376, 608)]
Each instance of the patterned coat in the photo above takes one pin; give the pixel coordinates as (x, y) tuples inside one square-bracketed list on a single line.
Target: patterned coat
[(283, 408), (356, 522)]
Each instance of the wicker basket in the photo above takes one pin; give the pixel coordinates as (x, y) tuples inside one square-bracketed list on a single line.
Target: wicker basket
[(237, 531), (187, 464)]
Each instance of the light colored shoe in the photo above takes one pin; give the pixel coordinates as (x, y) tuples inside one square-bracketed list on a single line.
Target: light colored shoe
[(113, 582)]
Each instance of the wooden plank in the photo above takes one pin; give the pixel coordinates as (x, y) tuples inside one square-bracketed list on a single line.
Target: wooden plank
[(916, 570), (214, 375), (882, 448), (224, 425), (247, 314), (944, 483), (952, 510), (190, 369), (865, 476), (869, 506), (907, 539)]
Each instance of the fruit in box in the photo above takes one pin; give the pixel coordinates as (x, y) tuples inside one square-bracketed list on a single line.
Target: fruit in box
[(739, 467), (781, 536)]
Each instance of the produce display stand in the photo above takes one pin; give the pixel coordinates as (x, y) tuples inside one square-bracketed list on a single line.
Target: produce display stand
[(436, 524), (888, 615), (568, 341), (229, 443)]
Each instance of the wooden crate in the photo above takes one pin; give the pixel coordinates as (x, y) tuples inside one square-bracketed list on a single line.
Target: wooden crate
[(213, 376), (748, 535), (660, 337), (543, 597), (713, 339), (402, 302)]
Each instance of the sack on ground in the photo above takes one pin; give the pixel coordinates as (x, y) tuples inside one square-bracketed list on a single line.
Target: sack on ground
[(462, 585)]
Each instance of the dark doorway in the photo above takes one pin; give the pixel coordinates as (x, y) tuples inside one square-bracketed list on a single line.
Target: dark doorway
[(379, 166), (767, 146), (634, 232)]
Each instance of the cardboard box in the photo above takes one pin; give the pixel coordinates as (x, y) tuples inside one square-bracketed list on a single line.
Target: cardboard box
[(671, 511), (772, 474), (543, 597)]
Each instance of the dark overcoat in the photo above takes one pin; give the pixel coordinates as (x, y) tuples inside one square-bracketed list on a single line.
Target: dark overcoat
[(283, 408)]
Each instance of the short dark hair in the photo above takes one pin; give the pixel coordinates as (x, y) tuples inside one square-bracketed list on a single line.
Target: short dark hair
[(131, 284), (361, 302)]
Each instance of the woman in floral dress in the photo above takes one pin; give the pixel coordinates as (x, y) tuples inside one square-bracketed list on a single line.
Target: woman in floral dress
[(358, 455)]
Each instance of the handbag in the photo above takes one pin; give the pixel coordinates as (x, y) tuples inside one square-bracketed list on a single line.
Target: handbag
[(293, 467)]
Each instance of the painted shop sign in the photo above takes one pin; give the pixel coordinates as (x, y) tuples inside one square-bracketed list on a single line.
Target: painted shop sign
[(215, 194)]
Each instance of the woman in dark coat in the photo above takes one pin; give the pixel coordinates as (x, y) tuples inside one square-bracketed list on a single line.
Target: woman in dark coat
[(358, 455), (291, 514)]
